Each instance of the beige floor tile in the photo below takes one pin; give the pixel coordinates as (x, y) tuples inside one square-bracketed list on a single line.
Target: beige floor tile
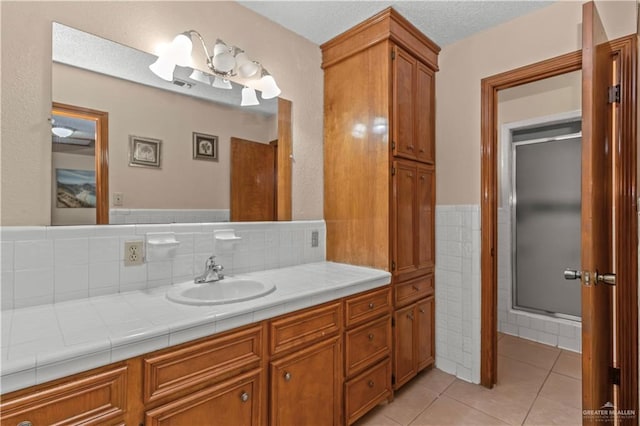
[(376, 417), (409, 402), (563, 389), (570, 364), (547, 412), (533, 353), (434, 379), (500, 335), (511, 399), (447, 411)]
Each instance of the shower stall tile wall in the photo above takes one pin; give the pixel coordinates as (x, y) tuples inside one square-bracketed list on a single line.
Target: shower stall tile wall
[(565, 334), (458, 290), (43, 265)]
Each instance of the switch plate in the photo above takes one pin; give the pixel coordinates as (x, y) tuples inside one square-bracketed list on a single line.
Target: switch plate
[(133, 253), (314, 238), (118, 199)]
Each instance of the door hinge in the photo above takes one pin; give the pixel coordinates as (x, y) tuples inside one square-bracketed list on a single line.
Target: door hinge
[(614, 375), (614, 94), (393, 322), (393, 265), (393, 379), (393, 145), (393, 171), (393, 54)]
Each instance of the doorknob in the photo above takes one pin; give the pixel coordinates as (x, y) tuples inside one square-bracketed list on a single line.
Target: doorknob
[(609, 279), (572, 274)]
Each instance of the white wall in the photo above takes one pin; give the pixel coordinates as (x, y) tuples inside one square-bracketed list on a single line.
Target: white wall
[(25, 155)]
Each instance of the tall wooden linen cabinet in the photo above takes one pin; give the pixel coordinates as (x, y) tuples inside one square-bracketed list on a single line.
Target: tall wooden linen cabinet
[(379, 170)]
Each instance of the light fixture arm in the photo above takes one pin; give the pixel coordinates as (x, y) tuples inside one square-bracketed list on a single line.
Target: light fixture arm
[(204, 45)]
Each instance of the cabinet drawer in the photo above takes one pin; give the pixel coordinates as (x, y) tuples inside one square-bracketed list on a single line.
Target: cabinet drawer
[(367, 390), (362, 308), (95, 399), (367, 344), (413, 290), (234, 402), (300, 329), (175, 371)]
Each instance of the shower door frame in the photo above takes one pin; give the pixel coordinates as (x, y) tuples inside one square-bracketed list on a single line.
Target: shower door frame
[(509, 175)]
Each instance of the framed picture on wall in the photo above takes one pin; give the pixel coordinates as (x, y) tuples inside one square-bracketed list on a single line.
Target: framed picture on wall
[(75, 188), (205, 147), (144, 152)]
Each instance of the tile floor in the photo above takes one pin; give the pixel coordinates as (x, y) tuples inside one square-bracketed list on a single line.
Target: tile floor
[(537, 385)]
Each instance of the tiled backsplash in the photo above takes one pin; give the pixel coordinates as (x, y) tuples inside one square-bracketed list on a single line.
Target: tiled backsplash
[(139, 216), (46, 264), (558, 332), (458, 290)]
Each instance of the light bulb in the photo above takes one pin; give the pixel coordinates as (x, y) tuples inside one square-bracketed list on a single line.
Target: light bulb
[(249, 97), (163, 68), (269, 87)]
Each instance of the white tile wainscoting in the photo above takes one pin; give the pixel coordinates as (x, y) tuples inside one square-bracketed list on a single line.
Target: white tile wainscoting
[(141, 216), (565, 334), (48, 264), (458, 290)]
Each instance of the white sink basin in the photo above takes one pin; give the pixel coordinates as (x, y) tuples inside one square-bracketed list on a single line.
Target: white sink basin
[(227, 290)]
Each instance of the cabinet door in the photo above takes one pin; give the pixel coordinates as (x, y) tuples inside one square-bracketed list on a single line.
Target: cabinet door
[(404, 187), (425, 114), (425, 332), (403, 108), (306, 386), (234, 402), (403, 364), (426, 217)]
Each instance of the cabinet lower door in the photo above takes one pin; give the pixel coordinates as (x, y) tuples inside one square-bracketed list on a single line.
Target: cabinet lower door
[(234, 402), (306, 386), (403, 365), (425, 329)]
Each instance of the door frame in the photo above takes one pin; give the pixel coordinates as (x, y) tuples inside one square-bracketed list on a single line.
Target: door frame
[(101, 119), (626, 180)]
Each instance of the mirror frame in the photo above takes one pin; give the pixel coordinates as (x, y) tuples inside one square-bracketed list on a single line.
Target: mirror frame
[(101, 156)]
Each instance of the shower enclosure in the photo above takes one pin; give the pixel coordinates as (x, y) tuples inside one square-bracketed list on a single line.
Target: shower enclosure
[(545, 218)]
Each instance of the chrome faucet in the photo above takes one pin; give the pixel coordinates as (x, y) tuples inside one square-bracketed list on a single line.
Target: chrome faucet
[(212, 272)]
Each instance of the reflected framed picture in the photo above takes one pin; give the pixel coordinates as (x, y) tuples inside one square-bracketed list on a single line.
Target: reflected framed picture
[(144, 152), (75, 188), (205, 147)]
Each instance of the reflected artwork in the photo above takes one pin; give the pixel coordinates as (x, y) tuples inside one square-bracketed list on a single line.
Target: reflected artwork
[(75, 188)]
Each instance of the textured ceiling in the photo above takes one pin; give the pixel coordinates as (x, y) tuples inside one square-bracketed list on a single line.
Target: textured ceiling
[(442, 21)]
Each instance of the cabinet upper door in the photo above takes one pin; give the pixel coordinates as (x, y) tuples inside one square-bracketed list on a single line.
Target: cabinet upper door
[(426, 216), (425, 133), (403, 108), (404, 188)]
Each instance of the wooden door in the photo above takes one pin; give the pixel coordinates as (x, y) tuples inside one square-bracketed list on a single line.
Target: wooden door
[(426, 217), (306, 386), (404, 187), (234, 402), (403, 360), (425, 320), (403, 108), (597, 341), (253, 181), (425, 125)]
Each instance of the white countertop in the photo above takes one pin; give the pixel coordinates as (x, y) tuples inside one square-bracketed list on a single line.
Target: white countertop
[(46, 342)]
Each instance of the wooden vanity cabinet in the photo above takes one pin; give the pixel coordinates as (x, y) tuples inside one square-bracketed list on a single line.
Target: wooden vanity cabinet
[(379, 169), (306, 367)]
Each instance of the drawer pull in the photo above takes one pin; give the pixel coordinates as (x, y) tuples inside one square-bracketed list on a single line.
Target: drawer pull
[(287, 376), (371, 384), (415, 288), (371, 305), (244, 397), (25, 423), (370, 336)]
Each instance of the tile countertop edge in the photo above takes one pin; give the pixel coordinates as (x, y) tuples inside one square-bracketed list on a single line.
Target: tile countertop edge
[(22, 373)]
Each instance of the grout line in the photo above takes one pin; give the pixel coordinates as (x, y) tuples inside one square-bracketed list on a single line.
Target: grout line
[(540, 389)]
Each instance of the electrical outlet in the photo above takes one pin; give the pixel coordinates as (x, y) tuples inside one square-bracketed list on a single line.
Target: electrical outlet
[(118, 199), (314, 238), (133, 253)]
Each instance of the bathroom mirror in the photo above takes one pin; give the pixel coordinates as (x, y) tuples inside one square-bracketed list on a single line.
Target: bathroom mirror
[(93, 73)]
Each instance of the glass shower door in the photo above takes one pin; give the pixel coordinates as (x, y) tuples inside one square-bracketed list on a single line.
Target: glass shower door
[(546, 224)]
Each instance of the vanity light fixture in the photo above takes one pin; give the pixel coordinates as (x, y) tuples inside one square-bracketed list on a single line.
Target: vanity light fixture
[(226, 62)]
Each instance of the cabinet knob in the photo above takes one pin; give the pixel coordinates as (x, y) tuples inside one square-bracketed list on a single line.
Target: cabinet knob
[(415, 287), (421, 151), (410, 147), (423, 177), (371, 305), (25, 423), (244, 397), (422, 310), (370, 336), (410, 316), (287, 376), (371, 383)]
